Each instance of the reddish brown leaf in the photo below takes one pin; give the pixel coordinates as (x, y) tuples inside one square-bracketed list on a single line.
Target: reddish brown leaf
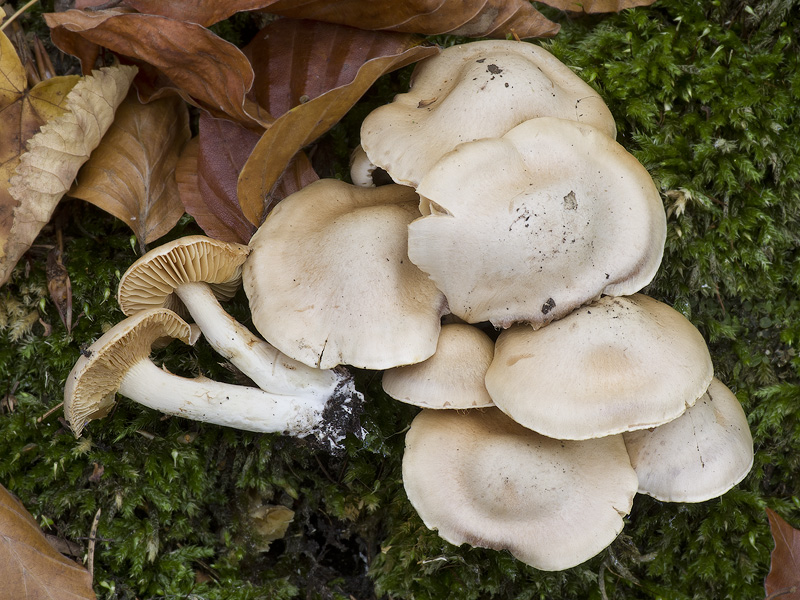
[(30, 568), (477, 18), (174, 55), (224, 148), (131, 174), (319, 71), (596, 6), (783, 580)]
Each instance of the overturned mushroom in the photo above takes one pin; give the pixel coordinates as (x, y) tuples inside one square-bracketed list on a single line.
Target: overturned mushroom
[(480, 478), (475, 91), (119, 361), (530, 226), (191, 274)]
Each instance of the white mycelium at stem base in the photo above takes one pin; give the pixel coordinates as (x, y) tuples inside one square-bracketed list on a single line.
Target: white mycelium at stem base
[(197, 270), (119, 361)]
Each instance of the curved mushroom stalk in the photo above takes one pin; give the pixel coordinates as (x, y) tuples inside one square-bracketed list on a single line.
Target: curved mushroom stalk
[(189, 275), (119, 361)]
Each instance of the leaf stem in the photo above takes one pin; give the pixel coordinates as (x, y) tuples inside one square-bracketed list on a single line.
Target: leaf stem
[(13, 17)]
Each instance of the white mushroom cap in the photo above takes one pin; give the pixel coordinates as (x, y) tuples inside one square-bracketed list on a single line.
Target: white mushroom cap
[(619, 364), (530, 226), (452, 377), (361, 168), (329, 279), (480, 478), (698, 456), (470, 92)]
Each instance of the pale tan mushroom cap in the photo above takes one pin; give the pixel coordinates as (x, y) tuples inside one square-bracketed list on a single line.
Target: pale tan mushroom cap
[(528, 227), (698, 456), (480, 478), (329, 280), (151, 280), (474, 91), (452, 377), (90, 389), (619, 364)]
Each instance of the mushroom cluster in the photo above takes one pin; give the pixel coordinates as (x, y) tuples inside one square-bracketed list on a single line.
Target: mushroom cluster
[(533, 218), (189, 277)]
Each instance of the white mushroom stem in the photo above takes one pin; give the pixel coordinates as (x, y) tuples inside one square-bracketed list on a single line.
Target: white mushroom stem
[(203, 399), (270, 369)]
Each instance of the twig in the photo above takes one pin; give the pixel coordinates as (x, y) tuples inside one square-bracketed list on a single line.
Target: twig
[(92, 540), (49, 412), (13, 17)]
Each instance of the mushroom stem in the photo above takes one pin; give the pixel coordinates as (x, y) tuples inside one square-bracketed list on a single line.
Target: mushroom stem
[(269, 368), (203, 399)]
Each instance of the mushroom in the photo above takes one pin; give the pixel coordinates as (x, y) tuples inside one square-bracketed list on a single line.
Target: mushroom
[(452, 377), (480, 478), (618, 364), (329, 280), (119, 361), (530, 226), (475, 91), (698, 456), (191, 274)]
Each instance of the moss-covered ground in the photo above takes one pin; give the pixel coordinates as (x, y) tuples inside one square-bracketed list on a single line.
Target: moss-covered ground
[(706, 95)]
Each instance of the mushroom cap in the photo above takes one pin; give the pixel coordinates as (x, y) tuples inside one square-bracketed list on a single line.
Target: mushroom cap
[(361, 168), (329, 280), (698, 456), (90, 389), (619, 364), (556, 213), (452, 377), (474, 91), (480, 478), (151, 280)]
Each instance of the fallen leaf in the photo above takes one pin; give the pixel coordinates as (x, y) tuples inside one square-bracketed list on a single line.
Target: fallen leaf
[(46, 170), (60, 287), (22, 113), (595, 6), (476, 18), (317, 72), (132, 173), (30, 568), (783, 580), (174, 56)]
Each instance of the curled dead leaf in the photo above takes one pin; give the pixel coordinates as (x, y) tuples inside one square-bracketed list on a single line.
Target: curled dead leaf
[(30, 568), (308, 75), (132, 173), (783, 580)]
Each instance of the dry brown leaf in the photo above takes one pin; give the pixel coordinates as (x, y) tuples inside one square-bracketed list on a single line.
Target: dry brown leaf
[(59, 286), (45, 172), (174, 56), (30, 568), (595, 6), (783, 580), (22, 113), (132, 173), (323, 70), (477, 18)]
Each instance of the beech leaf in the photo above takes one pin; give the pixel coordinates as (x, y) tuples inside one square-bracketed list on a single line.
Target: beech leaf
[(175, 56), (22, 113), (132, 173), (30, 568), (783, 580), (595, 6), (45, 171), (476, 18), (322, 70)]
